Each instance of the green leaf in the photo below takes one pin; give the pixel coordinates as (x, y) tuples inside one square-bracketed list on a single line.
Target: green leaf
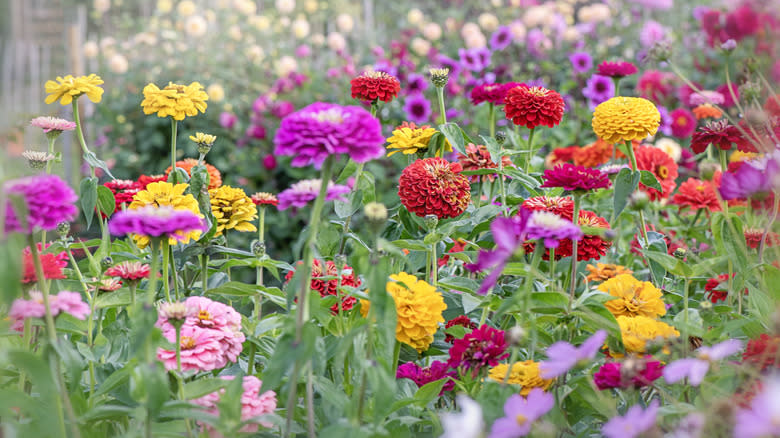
[(656, 244), (598, 317), (117, 298), (625, 184), (454, 135), (549, 302), (235, 289), (493, 148), (461, 284), (105, 200), (201, 387), (88, 198), (429, 392), (648, 178), (349, 207), (94, 161)]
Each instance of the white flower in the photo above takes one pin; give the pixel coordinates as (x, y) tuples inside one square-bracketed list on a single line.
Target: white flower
[(414, 16), (467, 424), (420, 46), (90, 49), (488, 21), (518, 30), (255, 53), (285, 65), (432, 31), (102, 5), (246, 7), (185, 8), (345, 23), (285, 6), (196, 26), (336, 41), (216, 92), (594, 13), (310, 6), (475, 41), (118, 63), (164, 6), (235, 32), (671, 147), (260, 22), (300, 27)]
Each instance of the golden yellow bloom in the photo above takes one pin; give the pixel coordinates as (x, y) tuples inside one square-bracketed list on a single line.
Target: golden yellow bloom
[(68, 88), (409, 138), (738, 155), (177, 101), (625, 118), (634, 297), (605, 271), (525, 374), (233, 209), (638, 330), (165, 193), (201, 138), (419, 307)]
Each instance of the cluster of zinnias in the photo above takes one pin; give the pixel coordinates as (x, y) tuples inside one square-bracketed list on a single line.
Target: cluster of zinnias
[(215, 177), (63, 302), (533, 106), (52, 264), (210, 335), (163, 194), (634, 373), (375, 85), (253, 403), (233, 209), (434, 186), (330, 287), (174, 100), (48, 200)]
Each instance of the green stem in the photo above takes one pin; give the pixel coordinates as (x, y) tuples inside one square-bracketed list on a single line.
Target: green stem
[(480, 189), (530, 147), (151, 287), (166, 252), (685, 316), (258, 299), (174, 274), (632, 160), (250, 367), (174, 175), (442, 116), (51, 151), (51, 329), (348, 220), (396, 355), (762, 244), (573, 272), (180, 382), (80, 133), (204, 272), (492, 119), (133, 286), (178, 349), (528, 288)]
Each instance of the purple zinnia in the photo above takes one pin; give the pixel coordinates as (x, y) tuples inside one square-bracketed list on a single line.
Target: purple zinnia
[(418, 109), (598, 89), (304, 191), (696, 368), (563, 356), (474, 59), (617, 69), (48, 199), (501, 38), (421, 376), (154, 221), (749, 181), (319, 130), (634, 423), (581, 62), (761, 419), (573, 178), (415, 84), (548, 226), (521, 412)]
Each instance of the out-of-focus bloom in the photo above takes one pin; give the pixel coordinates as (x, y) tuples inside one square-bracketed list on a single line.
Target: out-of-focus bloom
[(52, 264), (305, 191), (48, 200), (652, 33), (51, 124), (633, 297), (663, 168), (409, 138), (655, 85), (720, 134), (227, 120), (760, 418), (417, 108), (581, 62), (683, 123), (105, 285), (330, 287), (491, 93), (63, 302), (520, 414), (527, 374), (575, 178), (671, 147), (750, 181), (706, 97), (157, 221), (477, 157), (509, 234), (144, 180), (598, 89), (501, 38), (713, 287), (551, 228), (595, 154), (215, 177), (561, 155), (118, 64), (696, 368), (466, 424), (563, 356), (434, 186), (233, 209), (637, 331), (129, 271), (163, 194), (605, 271), (618, 69), (697, 194), (533, 106), (264, 198), (177, 101), (67, 88), (615, 375), (203, 139), (421, 376), (474, 59), (375, 85), (253, 404), (196, 26), (761, 352), (753, 238), (483, 346), (634, 423), (320, 130), (625, 119), (432, 31)]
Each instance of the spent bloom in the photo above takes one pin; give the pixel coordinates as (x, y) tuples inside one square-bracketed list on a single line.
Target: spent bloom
[(305, 191), (375, 85), (478, 157), (37, 159), (625, 118), (634, 423), (232, 209), (48, 200), (696, 368), (563, 356), (174, 100), (576, 178), (434, 186), (533, 106), (264, 198), (521, 412), (633, 297), (66, 89)]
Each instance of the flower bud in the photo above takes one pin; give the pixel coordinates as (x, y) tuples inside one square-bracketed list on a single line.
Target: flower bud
[(660, 52), (707, 170), (638, 200), (63, 228), (376, 215), (705, 305), (175, 313), (37, 160), (750, 90), (680, 253), (340, 260), (431, 221), (439, 76), (500, 137), (106, 263), (258, 248), (729, 45)]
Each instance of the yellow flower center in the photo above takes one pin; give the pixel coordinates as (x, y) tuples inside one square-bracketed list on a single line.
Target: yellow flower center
[(521, 419), (700, 188), (331, 115), (538, 91), (179, 88), (662, 171), (204, 315), (187, 343), (682, 121)]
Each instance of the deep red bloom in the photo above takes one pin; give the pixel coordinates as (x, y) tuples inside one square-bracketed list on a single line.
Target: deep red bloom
[(719, 133), (492, 93), (762, 352), (434, 186), (697, 194), (611, 375), (618, 69), (663, 167), (713, 287), (123, 191), (753, 238), (461, 320), (772, 105), (265, 198), (145, 180), (572, 177), (683, 122), (330, 287), (484, 346), (52, 264), (375, 85), (531, 107), (563, 207)]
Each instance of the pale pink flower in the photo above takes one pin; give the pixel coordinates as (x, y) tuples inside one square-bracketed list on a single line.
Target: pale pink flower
[(52, 124), (68, 302), (71, 303)]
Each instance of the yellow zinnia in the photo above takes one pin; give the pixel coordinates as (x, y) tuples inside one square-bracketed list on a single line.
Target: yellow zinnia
[(409, 138), (638, 330), (605, 271), (233, 209), (68, 88), (203, 139), (622, 119), (177, 101), (634, 297), (525, 374), (165, 193)]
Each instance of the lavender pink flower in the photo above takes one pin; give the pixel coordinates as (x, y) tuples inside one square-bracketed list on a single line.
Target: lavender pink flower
[(520, 413), (305, 191), (63, 302), (696, 368), (418, 108), (551, 228), (49, 124), (156, 221), (633, 424), (253, 404), (48, 199), (760, 419), (581, 62), (563, 356), (750, 181)]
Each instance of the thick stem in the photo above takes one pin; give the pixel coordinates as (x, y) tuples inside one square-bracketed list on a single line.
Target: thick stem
[(51, 329), (348, 220), (396, 355), (574, 245), (204, 272), (151, 287), (250, 367), (530, 147), (492, 119), (442, 116), (178, 349), (175, 176)]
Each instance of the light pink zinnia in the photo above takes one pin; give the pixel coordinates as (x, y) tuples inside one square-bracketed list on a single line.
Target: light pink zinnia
[(200, 350), (71, 303), (52, 124), (68, 302), (253, 404)]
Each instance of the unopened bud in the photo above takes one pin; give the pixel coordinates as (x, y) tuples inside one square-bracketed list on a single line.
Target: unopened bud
[(258, 248), (63, 228), (340, 260), (729, 45), (750, 91), (107, 262), (375, 212), (638, 200), (705, 305), (439, 76), (661, 51), (500, 137), (707, 170), (431, 221), (680, 253), (515, 335)]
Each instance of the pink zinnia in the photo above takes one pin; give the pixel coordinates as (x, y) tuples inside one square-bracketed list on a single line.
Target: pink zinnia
[(305, 191), (610, 375), (52, 264), (683, 123), (68, 302), (201, 350), (576, 178), (49, 201), (49, 124), (132, 271), (617, 69), (253, 404)]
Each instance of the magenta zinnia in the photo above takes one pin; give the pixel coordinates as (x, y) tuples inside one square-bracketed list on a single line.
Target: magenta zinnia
[(576, 178), (49, 200), (483, 346), (156, 221), (305, 191), (617, 69)]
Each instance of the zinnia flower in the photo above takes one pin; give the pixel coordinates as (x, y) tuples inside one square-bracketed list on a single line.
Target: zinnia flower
[(265, 198), (52, 264), (598, 89), (617, 69), (638, 330), (641, 373), (707, 111), (233, 209), (595, 154), (305, 191), (750, 181), (253, 404), (200, 350), (581, 62), (375, 85), (683, 123), (68, 88), (317, 131), (330, 287), (575, 178), (605, 271), (753, 238), (589, 247), (37, 159), (160, 194), (466, 424), (713, 287), (762, 352), (696, 368), (177, 101), (661, 165), (563, 356), (720, 134), (123, 191), (559, 205), (434, 186), (634, 423), (129, 271), (633, 297), (422, 376), (49, 201), (551, 229), (463, 321), (408, 138), (63, 302), (152, 221), (521, 413), (492, 93), (145, 180), (215, 177), (52, 124), (483, 346), (625, 118), (560, 156), (533, 106), (697, 194), (477, 157), (417, 108), (527, 374)]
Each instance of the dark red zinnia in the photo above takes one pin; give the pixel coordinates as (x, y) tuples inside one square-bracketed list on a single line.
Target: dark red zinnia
[(618, 69), (375, 85), (53, 265), (661, 165), (753, 238), (572, 177), (720, 134), (123, 191), (330, 287), (590, 247), (534, 106), (483, 346), (697, 194), (458, 246), (434, 186), (461, 320), (717, 287)]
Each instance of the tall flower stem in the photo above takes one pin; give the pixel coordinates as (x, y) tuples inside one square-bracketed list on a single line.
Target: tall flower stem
[(178, 348), (492, 119), (80, 133), (530, 147), (396, 355), (723, 166), (174, 175), (174, 274), (166, 253), (51, 329), (51, 151), (151, 287), (258, 299), (204, 271), (442, 116), (573, 273), (762, 244), (632, 160)]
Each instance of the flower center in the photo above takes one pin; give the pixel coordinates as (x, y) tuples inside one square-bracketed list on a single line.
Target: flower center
[(187, 343), (521, 419), (682, 121), (333, 115), (662, 171), (179, 88), (538, 91), (204, 315), (700, 188)]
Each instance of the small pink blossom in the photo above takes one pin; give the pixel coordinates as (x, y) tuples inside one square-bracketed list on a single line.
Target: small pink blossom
[(52, 124), (201, 350), (253, 404)]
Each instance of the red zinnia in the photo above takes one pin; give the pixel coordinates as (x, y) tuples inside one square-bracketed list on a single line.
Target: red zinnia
[(477, 157), (461, 320), (492, 93), (719, 134), (434, 186), (531, 107), (458, 246), (123, 191), (663, 167), (589, 247), (753, 238), (762, 351), (563, 207), (52, 264), (617, 69), (697, 194), (330, 287), (375, 85), (145, 180), (264, 198), (575, 178), (561, 155), (713, 287), (683, 123), (772, 105)]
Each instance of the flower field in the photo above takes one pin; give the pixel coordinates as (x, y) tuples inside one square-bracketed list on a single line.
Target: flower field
[(421, 219)]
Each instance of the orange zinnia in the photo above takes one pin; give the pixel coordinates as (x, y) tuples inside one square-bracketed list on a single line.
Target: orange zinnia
[(215, 178), (707, 111)]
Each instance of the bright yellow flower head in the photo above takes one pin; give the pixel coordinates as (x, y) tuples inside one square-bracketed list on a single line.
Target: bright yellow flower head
[(165, 193), (605, 271), (409, 138), (637, 331), (525, 374), (177, 101), (68, 88), (233, 209), (738, 155), (205, 139), (625, 118), (634, 297)]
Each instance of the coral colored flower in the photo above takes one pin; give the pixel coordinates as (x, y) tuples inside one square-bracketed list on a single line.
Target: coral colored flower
[(563, 356), (233, 209), (696, 368), (720, 134), (63, 302), (152, 221), (409, 138), (753, 238), (422, 376), (52, 264), (305, 191), (434, 186), (527, 374), (575, 178), (317, 131), (253, 404), (618, 375), (772, 105), (463, 321), (49, 200), (605, 271), (129, 271), (634, 423), (68, 88), (483, 346), (761, 352), (683, 123), (697, 194), (520, 414), (492, 93), (174, 100), (215, 177), (477, 157), (560, 155), (707, 111), (625, 118), (50, 124), (375, 85), (330, 287), (618, 69), (595, 154), (145, 180), (458, 246), (633, 297), (663, 168), (637, 331), (161, 194), (533, 106)]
